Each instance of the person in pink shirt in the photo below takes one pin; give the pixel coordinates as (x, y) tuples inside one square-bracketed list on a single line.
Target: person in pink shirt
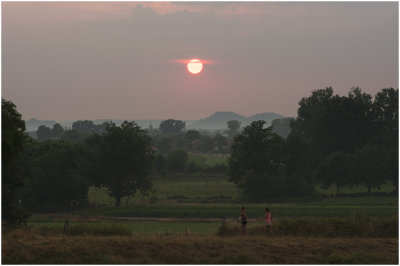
[(268, 221)]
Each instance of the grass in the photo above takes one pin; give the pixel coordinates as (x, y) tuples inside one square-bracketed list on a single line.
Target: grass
[(26, 246), (385, 188), (204, 160), (307, 226), (347, 227), (330, 207), (108, 227), (193, 188)]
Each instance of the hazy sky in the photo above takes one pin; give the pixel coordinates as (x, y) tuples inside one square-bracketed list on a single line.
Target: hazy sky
[(121, 60)]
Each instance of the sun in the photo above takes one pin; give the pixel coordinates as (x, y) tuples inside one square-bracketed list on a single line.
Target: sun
[(194, 66)]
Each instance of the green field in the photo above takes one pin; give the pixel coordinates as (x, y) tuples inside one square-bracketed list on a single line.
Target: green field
[(202, 159), (197, 215), (190, 188), (201, 189)]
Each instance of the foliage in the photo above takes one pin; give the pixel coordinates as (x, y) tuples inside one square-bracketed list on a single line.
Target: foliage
[(172, 126), (12, 138), (335, 128), (233, 126), (337, 169), (333, 123), (44, 133), (122, 159), (87, 127), (177, 161), (57, 131), (54, 174), (372, 167), (263, 164), (192, 135), (159, 163), (282, 126), (386, 113), (164, 145)]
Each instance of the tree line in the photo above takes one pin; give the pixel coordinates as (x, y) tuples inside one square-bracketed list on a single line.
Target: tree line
[(342, 140)]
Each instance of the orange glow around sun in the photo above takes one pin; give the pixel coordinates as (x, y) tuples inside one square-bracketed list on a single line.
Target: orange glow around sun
[(194, 66)]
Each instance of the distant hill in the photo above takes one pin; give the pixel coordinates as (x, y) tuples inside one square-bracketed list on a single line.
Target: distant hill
[(219, 119)]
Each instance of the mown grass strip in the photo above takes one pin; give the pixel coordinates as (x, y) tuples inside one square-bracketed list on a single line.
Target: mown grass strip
[(27, 247)]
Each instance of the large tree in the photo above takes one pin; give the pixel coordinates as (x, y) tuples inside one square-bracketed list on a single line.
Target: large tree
[(12, 139), (122, 159), (177, 160), (55, 172), (337, 169), (372, 166), (44, 133), (332, 123), (386, 111), (255, 164), (171, 126)]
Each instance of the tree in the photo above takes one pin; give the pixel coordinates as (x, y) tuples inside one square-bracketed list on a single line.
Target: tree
[(249, 151), (192, 135), (44, 133), (164, 145), (123, 159), (12, 139), (177, 161), (281, 126), (386, 111), (255, 164), (55, 173), (84, 127), (337, 169), (57, 131), (332, 123), (370, 166), (233, 126), (159, 163), (72, 136), (171, 126), (391, 161)]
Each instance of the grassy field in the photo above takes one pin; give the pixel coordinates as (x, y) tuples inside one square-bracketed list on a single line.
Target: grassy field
[(192, 219), (306, 226), (202, 159), (27, 246), (377, 206), (199, 189)]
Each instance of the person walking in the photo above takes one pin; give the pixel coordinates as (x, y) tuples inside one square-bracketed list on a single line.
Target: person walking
[(243, 219), (268, 221)]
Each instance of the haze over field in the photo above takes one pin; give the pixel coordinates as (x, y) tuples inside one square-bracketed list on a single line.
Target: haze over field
[(93, 60)]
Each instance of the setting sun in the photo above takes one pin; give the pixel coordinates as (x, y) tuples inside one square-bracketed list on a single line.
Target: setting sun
[(195, 66)]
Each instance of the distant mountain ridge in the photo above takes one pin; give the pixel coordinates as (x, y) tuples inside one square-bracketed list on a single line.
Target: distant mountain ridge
[(217, 120)]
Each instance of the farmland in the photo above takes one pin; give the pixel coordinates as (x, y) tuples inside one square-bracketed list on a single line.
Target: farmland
[(27, 247), (193, 219)]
